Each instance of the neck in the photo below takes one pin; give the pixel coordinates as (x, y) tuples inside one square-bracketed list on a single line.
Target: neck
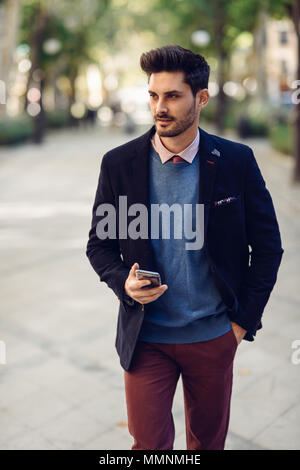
[(180, 142)]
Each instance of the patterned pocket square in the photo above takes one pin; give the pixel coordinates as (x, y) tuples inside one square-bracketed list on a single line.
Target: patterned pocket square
[(222, 202)]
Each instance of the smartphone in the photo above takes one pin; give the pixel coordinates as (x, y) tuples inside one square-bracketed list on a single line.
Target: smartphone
[(154, 277)]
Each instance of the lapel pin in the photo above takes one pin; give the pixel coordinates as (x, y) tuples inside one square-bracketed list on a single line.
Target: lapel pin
[(216, 152), (212, 163)]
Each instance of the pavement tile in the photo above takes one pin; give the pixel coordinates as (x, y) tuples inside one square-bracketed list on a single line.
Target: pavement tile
[(283, 433), (259, 405), (72, 430), (110, 440), (30, 441), (37, 408)]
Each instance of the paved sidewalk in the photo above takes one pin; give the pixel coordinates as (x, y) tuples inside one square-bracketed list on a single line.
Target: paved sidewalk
[(62, 385)]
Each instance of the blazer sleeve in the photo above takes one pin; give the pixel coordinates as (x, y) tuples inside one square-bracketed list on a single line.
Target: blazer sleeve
[(266, 251), (104, 254)]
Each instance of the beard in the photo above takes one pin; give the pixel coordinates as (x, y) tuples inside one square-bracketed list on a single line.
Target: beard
[(179, 125)]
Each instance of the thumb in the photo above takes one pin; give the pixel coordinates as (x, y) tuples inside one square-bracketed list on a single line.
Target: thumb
[(134, 267)]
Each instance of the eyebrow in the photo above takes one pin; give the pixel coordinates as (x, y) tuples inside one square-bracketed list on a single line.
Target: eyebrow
[(167, 92)]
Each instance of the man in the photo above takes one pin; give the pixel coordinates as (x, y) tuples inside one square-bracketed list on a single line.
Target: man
[(212, 296)]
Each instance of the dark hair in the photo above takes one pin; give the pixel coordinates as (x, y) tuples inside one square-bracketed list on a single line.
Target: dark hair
[(177, 59)]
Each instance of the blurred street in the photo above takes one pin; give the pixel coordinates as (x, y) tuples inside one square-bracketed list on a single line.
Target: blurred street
[(62, 386)]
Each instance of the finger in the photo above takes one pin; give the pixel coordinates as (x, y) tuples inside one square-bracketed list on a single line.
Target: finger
[(149, 292), (138, 286), (141, 283), (157, 290), (150, 295)]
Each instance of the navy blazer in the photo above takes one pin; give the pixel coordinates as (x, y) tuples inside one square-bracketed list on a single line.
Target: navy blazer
[(241, 235)]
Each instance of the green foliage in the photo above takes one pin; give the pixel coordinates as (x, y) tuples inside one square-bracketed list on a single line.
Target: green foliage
[(281, 137), (57, 119), (240, 118), (15, 130), (72, 24), (230, 119), (208, 113), (250, 126), (185, 17), (279, 8), (20, 128)]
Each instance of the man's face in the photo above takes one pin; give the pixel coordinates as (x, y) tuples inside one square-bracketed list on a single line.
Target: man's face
[(172, 103)]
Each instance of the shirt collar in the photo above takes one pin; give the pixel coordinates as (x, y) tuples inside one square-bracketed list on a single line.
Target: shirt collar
[(188, 154)]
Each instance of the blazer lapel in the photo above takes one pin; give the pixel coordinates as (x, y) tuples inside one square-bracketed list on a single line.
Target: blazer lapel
[(208, 169), (139, 169)]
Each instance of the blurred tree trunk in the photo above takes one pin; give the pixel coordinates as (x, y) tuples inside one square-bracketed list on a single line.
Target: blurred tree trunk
[(40, 119), (296, 20), (36, 43), (72, 96), (219, 22), (260, 52), (9, 22)]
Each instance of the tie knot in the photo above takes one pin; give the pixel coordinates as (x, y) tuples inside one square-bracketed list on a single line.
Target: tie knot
[(176, 158)]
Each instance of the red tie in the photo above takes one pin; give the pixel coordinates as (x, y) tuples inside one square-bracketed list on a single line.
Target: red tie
[(176, 158)]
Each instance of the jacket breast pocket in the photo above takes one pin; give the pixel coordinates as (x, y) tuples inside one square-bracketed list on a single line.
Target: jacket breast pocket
[(225, 210), (226, 202)]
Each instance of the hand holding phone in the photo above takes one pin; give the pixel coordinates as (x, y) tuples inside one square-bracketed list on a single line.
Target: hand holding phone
[(143, 286), (152, 276)]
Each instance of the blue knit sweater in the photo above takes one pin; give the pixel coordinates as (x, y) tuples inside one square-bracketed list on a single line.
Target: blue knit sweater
[(191, 309)]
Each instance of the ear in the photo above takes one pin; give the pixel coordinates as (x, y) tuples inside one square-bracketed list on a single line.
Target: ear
[(202, 97)]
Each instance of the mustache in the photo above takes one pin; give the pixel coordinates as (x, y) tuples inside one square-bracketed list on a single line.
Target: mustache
[(164, 116)]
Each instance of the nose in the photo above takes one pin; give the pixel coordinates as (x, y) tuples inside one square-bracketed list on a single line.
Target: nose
[(161, 107)]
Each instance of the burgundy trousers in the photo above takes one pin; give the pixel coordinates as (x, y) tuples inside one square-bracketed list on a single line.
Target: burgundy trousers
[(150, 385)]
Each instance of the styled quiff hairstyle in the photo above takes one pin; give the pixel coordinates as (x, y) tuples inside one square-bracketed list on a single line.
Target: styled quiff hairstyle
[(177, 59)]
